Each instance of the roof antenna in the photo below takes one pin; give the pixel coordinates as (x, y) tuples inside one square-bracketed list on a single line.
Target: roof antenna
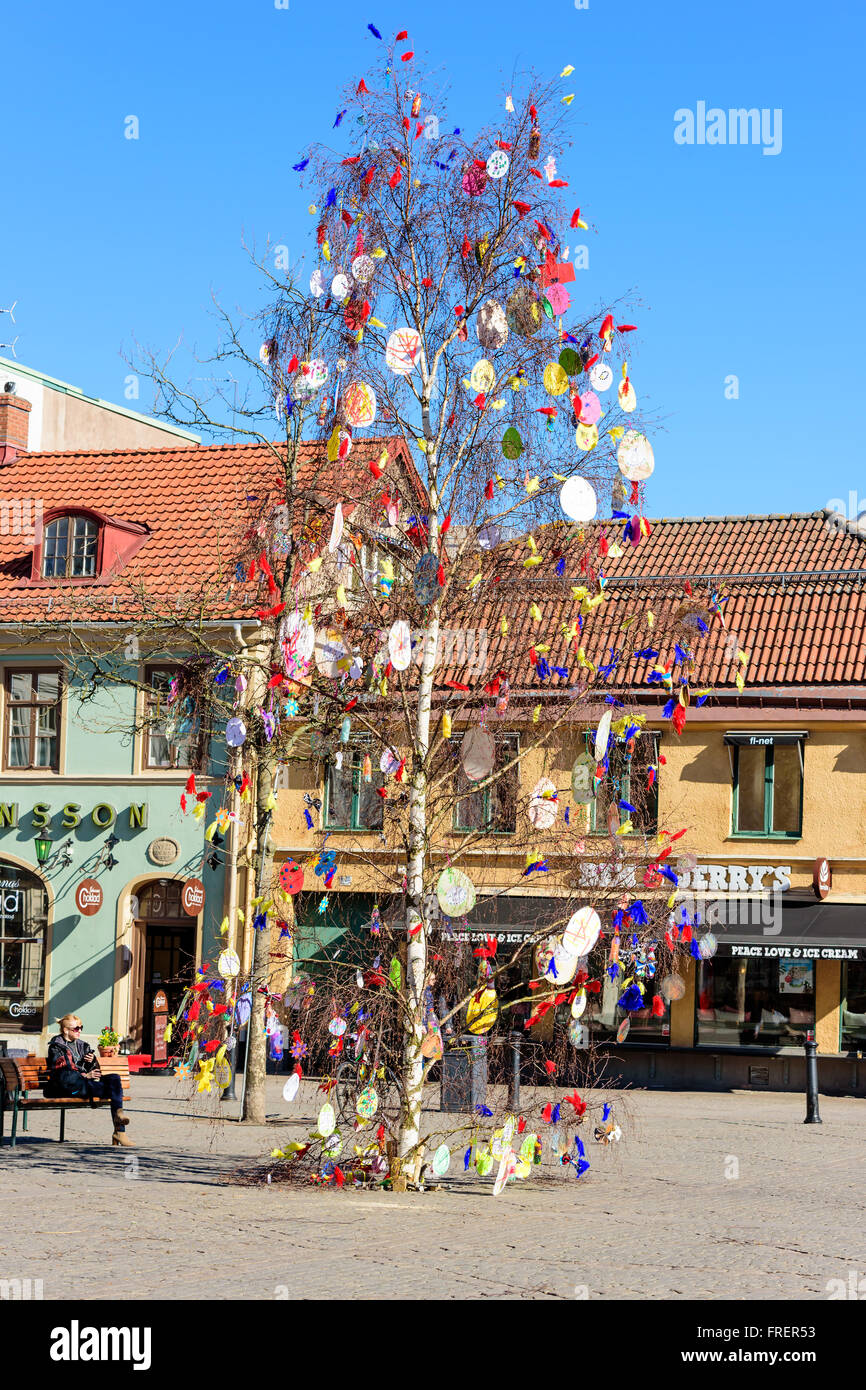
[(11, 346)]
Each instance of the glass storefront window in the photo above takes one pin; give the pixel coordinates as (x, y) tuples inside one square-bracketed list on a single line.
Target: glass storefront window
[(854, 1006), (23, 923), (747, 1002)]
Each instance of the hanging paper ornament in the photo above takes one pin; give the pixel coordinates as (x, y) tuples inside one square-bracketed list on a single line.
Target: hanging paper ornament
[(491, 325), (672, 987), (290, 1090), (708, 945), (626, 392), (558, 298), (317, 283), (291, 877), (622, 1030), (236, 732), (474, 180), (299, 636), (590, 408), (555, 379), (400, 645), (441, 1160), (554, 962), (478, 754), (523, 312), (570, 362), (455, 892), (229, 964), (586, 437), (489, 536), (635, 456), (363, 269), (341, 287), (582, 932), (507, 1168), (309, 379), (431, 1045), (329, 652), (602, 735), (388, 762), (483, 376), (482, 1011), (425, 580), (327, 1122), (483, 1162), (578, 1003), (336, 528), (583, 779), (600, 376), (359, 404), (497, 164), (512, 444), (367, 1103), (401, 350), (578, 500), (543, 805)]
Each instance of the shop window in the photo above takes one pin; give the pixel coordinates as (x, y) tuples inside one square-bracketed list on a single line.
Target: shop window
[(352, 800), (23, 926), (749, 1002), (173, 737), (854, 1006), (626, 780), (603, 1014), (768, 790), (32, 719), (492, 808)]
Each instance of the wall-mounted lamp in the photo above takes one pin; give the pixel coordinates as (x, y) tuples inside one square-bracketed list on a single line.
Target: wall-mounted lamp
[(44, 845)]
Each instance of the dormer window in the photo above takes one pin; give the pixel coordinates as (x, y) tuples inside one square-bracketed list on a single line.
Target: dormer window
[(70, 547)]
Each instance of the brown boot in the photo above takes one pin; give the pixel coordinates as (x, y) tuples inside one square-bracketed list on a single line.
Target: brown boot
[(120, 1118), (118, 1137)]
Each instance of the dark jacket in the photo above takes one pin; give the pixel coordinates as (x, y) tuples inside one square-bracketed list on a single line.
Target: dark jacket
[(70, 1063)]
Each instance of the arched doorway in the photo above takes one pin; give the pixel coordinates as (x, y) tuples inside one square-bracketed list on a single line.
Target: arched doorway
[(164, 955)]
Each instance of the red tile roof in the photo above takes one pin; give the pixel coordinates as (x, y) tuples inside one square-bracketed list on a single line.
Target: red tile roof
[(196, 503)]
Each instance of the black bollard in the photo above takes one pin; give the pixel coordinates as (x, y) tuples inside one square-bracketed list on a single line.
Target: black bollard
[(810, 1048), (514, 1085)]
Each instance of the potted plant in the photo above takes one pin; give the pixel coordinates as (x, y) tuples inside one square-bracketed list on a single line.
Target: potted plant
[(107, 1042)]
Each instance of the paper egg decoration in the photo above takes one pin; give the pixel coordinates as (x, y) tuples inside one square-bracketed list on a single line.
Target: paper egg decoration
[(359, 404), (326, 1123), (482, 1011), (431, 1045), (602, 735), (425, 580), (523, 312), (341, 286), (672, 987), (627, 397), (367, 1103), (236, 732), (558, 298), (309, 378), (229, 964), (300, 637), (441, 1160), (497, 164), (555, 379), (582, 932), (507, 1165), (478, 754), (583, 779), (290, 1090), (329, 651), (586, 437), (590, 408), (600, 377), (578, 500), (400, 645), (317, 283), (622, 1030), (570, 362), (491, 325), (483, 376), (455, 892), (512, 444), (635, 456), (401, 350), (474, 180), (564, 962), (578, 1004), (291, 877), (543, 805), (363, 269)]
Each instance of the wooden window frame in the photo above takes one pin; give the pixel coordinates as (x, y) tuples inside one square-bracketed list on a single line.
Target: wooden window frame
[(195, 756), (11, 670), (767, 833), (356, 752), (69, 518), (485, 828)]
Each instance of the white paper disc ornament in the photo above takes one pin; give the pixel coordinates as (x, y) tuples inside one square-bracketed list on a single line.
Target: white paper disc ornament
[(290, 1090), (483, 376), (401, 350), (600, 377), (635, 456), (583, 779), (497, 164), (341, 286), (507, 1167), (363, 269), (578, 500), (326, 1123), (602, 734), (478, 754), (543, 805), (456, 892), (317, 283), (400, 645), (336, 529), (229, 964), (309, 378), (236, 732), (491, 326), (330, 650), (441, 1160), (300, 637), (582, 932)]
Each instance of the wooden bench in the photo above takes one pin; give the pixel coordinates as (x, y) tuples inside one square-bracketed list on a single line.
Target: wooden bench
[(20, 1077)]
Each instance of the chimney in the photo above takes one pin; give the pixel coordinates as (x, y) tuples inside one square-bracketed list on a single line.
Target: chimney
[(14, 422)]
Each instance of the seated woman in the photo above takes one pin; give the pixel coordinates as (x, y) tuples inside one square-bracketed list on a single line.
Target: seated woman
[(74, 1070)]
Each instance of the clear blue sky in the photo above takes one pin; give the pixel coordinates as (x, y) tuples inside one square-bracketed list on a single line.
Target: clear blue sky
[(744, 263)]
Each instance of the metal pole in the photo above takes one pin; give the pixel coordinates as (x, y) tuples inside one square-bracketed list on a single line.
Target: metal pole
[(810, 1047), (514, 1088), (261, 875)]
